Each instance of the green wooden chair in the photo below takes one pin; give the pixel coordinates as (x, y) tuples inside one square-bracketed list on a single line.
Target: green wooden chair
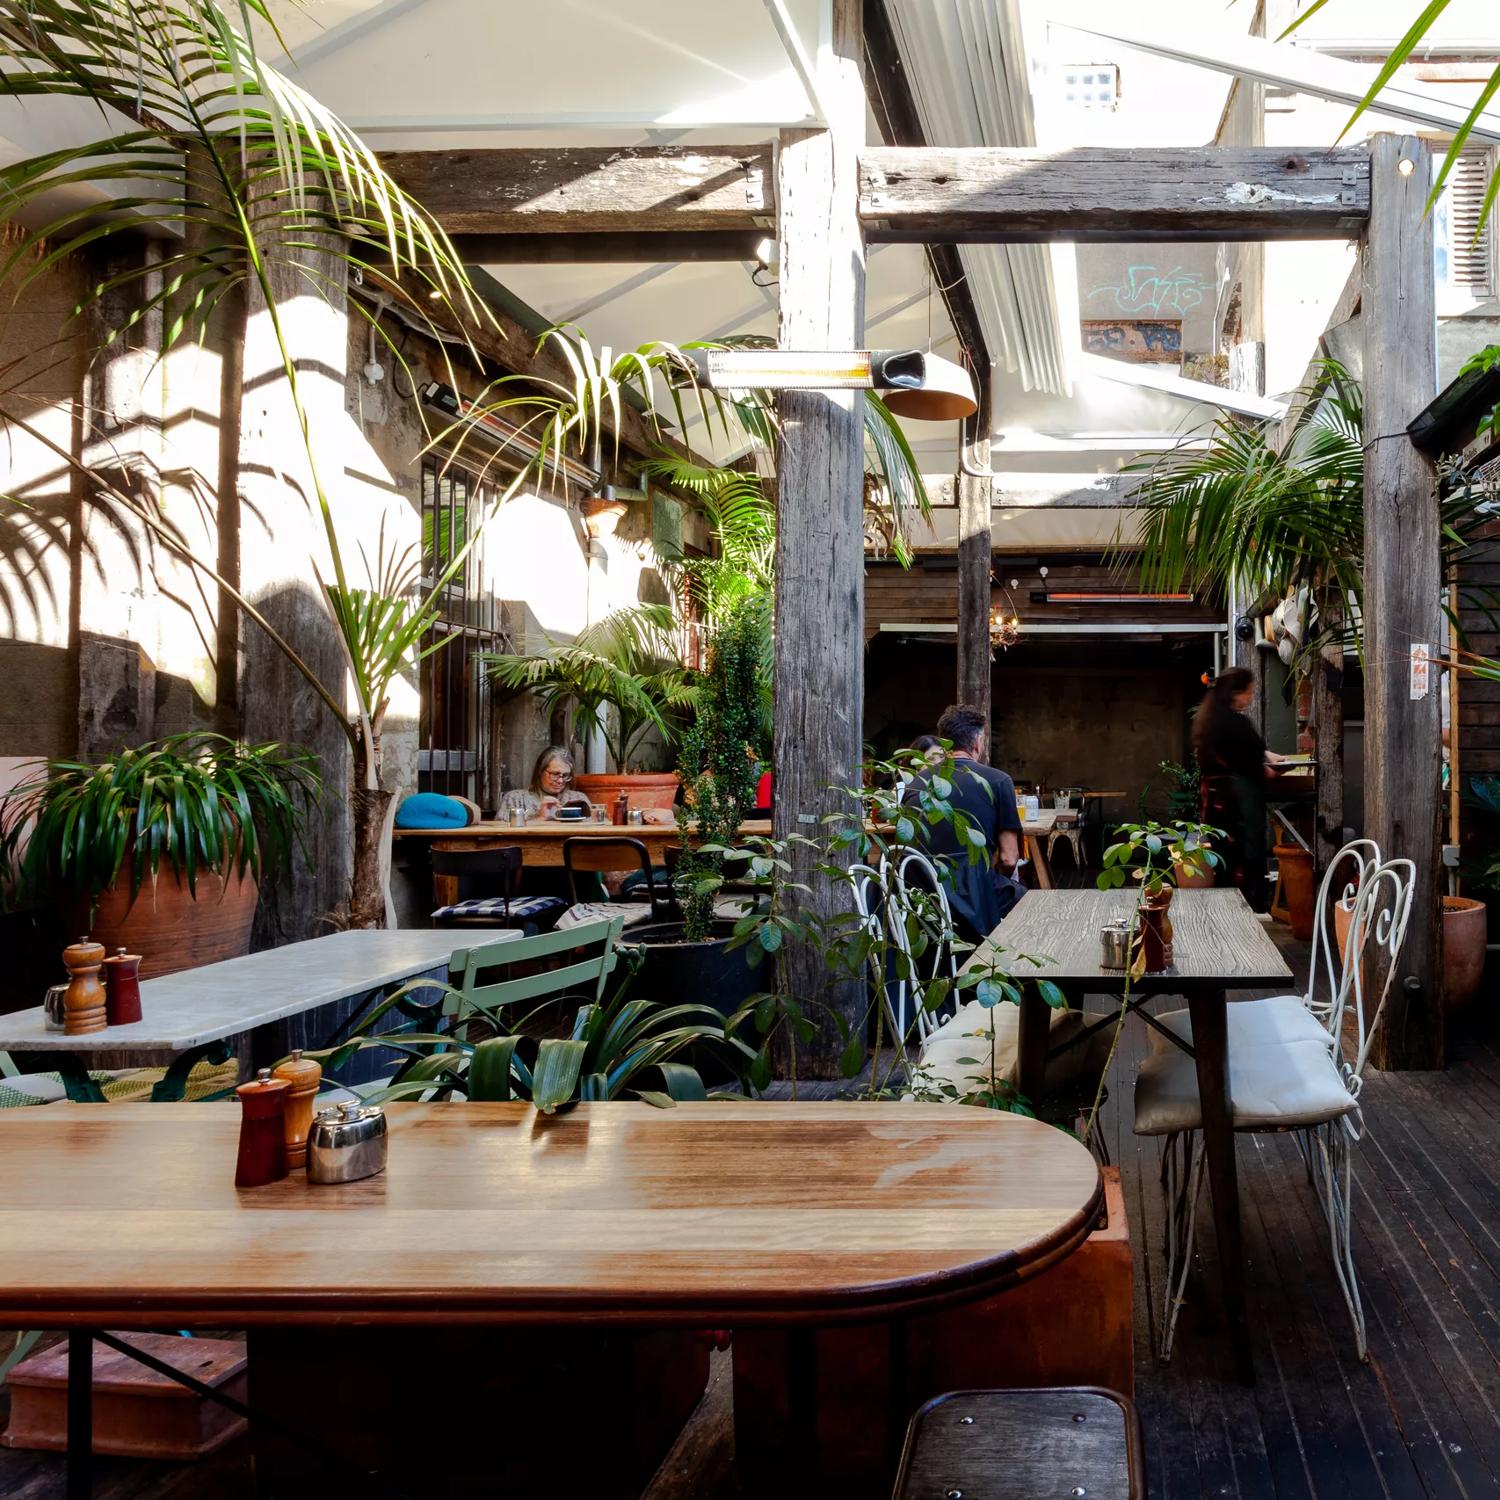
[(484, 979)]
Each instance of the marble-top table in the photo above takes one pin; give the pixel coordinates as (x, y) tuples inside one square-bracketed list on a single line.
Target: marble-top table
[(196, 1006)]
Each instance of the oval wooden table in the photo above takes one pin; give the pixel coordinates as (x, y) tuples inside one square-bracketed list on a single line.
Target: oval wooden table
[(706, 1215)]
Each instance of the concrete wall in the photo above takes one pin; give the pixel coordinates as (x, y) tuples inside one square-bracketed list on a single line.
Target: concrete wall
[(1082, 713)]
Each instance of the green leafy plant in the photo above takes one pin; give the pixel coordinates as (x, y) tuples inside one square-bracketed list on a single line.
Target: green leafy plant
[(1183, 783), (613, 1049), (628, 661), (1259, 521), (194, 802), (1157, 855), (718, 759), (880, 826), (198, 132)]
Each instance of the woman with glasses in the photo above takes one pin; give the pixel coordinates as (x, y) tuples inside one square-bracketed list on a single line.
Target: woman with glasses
[(551, 787)]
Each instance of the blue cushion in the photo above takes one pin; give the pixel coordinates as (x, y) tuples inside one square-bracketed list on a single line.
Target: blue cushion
[(431, 810)]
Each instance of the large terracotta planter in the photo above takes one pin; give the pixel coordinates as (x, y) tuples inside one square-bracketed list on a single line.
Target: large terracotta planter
[(168, 926), (1299, 887), (645, 789), (1465, 927)]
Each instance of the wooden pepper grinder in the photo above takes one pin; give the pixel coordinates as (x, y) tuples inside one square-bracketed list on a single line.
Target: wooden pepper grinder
[(122, 987), (622, 808), (262, 1157), (302, 1076), (83, 1005)]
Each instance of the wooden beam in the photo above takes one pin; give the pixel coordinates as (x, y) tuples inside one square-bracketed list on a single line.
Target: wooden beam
[(577, 189), (819, 669), (505, 342), (984, 194), (975, 656), (1403, 585), (609, 246), (1040, 491), (894, 105)]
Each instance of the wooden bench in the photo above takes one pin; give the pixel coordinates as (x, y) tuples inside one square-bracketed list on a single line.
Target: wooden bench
[(1017, 1445)]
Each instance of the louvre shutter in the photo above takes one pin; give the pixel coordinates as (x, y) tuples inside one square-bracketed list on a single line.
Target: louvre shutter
[(1473, 256)]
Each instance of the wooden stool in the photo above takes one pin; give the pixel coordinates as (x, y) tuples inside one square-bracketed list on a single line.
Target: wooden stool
[(1016, 1445)]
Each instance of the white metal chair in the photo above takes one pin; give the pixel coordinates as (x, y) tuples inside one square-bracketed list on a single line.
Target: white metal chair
[(1307, 1015), (1283, 1078), (920, 923)]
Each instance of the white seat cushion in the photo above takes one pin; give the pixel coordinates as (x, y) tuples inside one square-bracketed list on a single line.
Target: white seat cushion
[(1252, 1021), (1274, 1083), (965, 1034), (632, 913)]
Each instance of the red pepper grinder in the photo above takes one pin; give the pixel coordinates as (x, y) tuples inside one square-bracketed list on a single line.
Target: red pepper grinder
[(122, 987), (262, 1157)]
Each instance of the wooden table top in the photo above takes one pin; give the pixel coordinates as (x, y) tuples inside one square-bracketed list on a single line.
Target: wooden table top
[(219, 1000), (1218, 942), (546, 830), (129, 1217)]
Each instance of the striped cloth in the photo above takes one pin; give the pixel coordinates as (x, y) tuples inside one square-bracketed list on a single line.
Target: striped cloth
[(519, 909)]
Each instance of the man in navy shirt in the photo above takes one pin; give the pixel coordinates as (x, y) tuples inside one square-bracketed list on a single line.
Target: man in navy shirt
[(980, 892)]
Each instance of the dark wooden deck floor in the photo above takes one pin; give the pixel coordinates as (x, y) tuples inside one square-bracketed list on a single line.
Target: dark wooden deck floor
[(1421, 1419)]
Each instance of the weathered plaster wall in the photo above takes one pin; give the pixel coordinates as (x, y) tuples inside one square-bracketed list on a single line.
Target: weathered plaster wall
[(43, 361)]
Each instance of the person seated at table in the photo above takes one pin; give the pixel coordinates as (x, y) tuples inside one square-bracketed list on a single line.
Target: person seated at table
[(980, 892), (551, 787)]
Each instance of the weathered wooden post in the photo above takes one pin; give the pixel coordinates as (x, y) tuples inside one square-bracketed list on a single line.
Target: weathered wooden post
[(1403, 583), (282, 546), (819, 673), (975, 660)]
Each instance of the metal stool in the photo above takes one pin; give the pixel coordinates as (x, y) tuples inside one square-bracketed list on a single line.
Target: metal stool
[(1072, 831), (1017, 1445)]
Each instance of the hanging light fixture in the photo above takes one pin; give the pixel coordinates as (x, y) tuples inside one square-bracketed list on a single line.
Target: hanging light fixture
[(947, 394), (1005, 628)]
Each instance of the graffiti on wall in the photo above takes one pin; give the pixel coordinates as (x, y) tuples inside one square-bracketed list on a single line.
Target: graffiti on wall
[(1146, 290), (1144, 340)]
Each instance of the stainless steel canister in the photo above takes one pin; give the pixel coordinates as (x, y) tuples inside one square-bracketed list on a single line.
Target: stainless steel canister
[(346, 1142), (517, 817), (55, 1008), (1114, 943)]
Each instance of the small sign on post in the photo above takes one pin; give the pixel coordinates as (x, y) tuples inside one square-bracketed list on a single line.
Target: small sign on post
[(1421, 669)]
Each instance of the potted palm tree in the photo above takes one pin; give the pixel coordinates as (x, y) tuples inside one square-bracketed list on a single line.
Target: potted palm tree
[(624, 680), (161, 848)]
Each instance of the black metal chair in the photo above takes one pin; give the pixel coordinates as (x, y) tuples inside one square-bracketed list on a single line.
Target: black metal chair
[(589, 855), (487, 891)]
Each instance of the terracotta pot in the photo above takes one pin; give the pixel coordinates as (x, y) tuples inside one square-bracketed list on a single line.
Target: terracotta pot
[(1465, 927), (1201, 880), (1299, 888), (645, 789), (167, 926)]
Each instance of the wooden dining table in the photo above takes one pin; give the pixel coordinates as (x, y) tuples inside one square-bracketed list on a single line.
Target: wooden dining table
[(615, 1215), (1219, 945), (541, 841)]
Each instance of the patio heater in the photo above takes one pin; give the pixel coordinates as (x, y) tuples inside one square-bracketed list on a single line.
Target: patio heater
[(913, 383)]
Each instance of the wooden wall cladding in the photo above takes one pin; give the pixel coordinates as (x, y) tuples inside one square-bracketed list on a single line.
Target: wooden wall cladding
[(927, 593)]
